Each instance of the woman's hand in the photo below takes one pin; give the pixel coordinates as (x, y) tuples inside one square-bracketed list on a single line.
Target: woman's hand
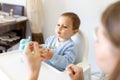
[(75, 72), (32, 60)]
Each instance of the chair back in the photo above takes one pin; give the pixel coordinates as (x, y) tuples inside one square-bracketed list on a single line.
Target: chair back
[(82, 45)]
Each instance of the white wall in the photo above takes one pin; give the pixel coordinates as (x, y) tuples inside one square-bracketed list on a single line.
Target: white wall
[(89, 12), (19, 2)]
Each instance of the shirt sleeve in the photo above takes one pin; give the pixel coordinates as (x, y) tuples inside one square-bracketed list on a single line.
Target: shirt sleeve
[(62, 61)]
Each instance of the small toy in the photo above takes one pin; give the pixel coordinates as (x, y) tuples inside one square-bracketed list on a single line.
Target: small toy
[(23, 43)]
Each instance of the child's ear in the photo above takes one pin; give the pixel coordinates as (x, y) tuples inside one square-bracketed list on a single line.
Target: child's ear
[(75, 31)]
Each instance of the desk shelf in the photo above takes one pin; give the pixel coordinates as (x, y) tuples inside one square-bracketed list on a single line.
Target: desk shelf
[(18, 27), (16, 22)]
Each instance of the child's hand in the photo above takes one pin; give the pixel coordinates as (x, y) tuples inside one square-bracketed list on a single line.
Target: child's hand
[(46, 54), (75, 72)]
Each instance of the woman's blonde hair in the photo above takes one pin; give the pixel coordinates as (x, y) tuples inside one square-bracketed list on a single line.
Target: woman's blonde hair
[(111, 22)]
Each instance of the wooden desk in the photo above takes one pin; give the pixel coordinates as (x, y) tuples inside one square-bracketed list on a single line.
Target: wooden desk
[(17, 21), (8, 23)]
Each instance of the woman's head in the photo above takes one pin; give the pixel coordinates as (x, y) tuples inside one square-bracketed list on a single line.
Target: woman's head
[(108, 43)]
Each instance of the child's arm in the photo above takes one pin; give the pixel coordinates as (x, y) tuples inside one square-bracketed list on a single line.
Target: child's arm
[(65, 58), (62, 61)]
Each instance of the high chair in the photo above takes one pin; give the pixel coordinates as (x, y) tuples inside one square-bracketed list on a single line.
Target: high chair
[(82, 59), (82, 44)]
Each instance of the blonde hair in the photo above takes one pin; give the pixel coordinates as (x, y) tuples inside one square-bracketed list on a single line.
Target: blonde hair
[(111, 22)]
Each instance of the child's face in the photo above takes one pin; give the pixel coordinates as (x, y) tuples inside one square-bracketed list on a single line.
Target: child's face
[(64, 28)]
